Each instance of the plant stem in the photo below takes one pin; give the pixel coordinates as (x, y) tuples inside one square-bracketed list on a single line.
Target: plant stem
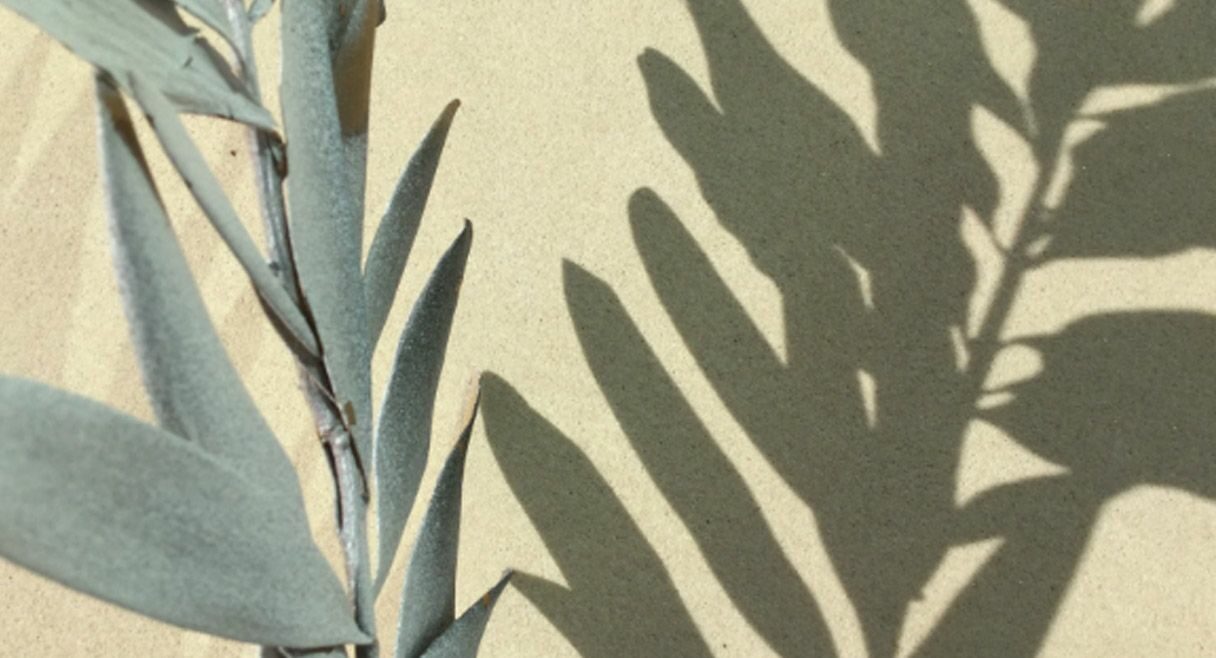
[(353, 534), (348, 479), (986, 343), (352, 509), (264, 146)]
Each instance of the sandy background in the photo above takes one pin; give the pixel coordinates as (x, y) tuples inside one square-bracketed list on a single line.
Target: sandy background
[(554, 136)]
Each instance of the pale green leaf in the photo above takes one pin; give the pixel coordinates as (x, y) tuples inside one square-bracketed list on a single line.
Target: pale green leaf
[(151, 40), (211, 197), (126, 512), (194, 390), (462, 638), (212, 14), (353, 50), (428, 602), (323, 221), (395, 235), (404, 428), (258, 9)]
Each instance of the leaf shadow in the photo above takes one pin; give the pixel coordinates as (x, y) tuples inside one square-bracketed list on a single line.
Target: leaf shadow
[(1120, 403)]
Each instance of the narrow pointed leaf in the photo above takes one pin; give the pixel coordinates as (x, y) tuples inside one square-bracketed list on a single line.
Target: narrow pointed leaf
[(323, 218), (150, 39), (404, 429), (462, 638), (194, 390), (352, 67), (395, 234), (118, 509), (428, 602), (215, 204), (325, 243)]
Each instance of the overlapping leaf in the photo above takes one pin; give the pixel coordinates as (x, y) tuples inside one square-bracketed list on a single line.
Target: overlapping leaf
[(211, 197), (462, 638), (404, 428), (324, 216), (134, 515), (193, 387), (151, 40), (428, 601)]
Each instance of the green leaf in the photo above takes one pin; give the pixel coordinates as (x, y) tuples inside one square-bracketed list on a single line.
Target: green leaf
[(212, 13), (461, 639), (215, 204), (194, 390), (353, 46), (428, 601), (151, 40), (404, 428), (323, 216), (126, 512), (395, 234), (258, 9)]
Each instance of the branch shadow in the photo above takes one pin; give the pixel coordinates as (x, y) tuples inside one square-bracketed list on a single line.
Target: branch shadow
[(1121, 400)]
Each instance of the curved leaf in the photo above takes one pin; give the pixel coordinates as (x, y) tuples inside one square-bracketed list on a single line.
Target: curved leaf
[(395, 234), (428, 601), (215, 204), (324, 219), (151, 40), (194, 390), (123, 511), (461, 639), (404, 428)]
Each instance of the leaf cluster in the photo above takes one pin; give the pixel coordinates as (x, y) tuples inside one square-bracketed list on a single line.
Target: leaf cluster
[(199, 520)]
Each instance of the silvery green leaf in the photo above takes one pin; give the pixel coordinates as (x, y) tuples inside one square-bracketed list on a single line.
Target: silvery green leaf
[(404, 427), (259, 8), (123, 511), (325, 242), (395, 234), (462, 638), (215, 204), (352, 70), (194, 390), (150, 39), (428, 602)]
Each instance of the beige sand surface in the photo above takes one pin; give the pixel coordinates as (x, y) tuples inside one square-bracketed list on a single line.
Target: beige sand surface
[(554, 135)]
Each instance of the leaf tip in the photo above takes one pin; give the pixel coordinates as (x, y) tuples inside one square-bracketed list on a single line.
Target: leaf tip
[(491, 597)]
